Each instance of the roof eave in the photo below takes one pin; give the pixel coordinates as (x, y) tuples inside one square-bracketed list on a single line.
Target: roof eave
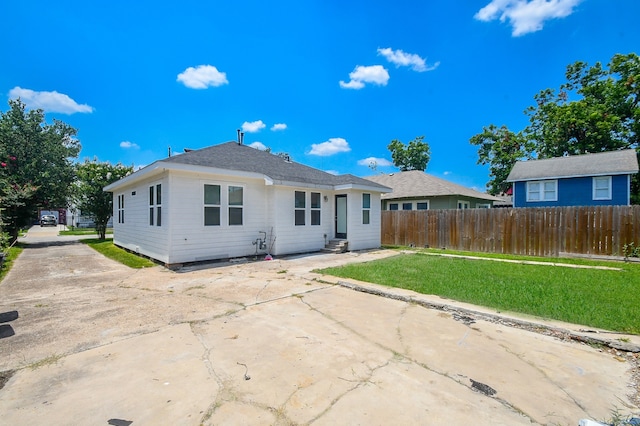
[(627, 172)]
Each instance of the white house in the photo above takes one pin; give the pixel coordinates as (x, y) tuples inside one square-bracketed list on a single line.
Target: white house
[(231, 200)]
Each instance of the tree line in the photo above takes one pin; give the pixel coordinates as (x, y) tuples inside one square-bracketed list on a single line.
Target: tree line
[(595, 110), (39, 170)]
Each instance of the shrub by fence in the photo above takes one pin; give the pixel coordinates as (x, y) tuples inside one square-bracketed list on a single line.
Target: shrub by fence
[(601, 230)]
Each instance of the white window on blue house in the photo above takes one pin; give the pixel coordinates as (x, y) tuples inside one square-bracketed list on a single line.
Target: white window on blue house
[(542, 190), (602, 188)]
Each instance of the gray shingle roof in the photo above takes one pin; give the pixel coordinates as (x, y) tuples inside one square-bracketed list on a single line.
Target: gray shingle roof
[(416, 183), (233, 156), (602, 163)]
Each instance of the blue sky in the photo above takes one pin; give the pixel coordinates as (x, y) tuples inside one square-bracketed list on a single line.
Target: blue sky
[(329, 82)]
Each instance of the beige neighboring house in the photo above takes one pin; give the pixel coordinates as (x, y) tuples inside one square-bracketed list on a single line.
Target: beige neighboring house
[(417, 190)]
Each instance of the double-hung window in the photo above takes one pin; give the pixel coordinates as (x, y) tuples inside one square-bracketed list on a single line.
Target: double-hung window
[(542, 190), (422, 205), (155, 205), (211, 205), (366, 209), (300, 204), (121, 208), (602, 188), (235, 205), (315, 208), (393, 206)]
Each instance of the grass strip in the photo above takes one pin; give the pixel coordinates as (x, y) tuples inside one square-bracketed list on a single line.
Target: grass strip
[(11, 255), (591, 297), (108, 249)]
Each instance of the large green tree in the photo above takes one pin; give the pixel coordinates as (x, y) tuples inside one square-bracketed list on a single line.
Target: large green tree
[(89, 196), (596, 110), (36, 164), (413, 156), (499, 148)]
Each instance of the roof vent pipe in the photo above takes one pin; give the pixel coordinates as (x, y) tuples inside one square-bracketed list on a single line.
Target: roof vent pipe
[(241, 138), (239, 143)]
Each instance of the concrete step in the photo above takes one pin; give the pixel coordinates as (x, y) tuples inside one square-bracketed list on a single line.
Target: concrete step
[(336, 246)]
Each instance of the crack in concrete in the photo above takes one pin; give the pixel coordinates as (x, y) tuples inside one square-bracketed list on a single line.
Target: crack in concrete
[(358, 384), (407, 357), (546, 376)]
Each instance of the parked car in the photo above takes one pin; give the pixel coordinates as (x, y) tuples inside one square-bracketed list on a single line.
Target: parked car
[(48, 219)]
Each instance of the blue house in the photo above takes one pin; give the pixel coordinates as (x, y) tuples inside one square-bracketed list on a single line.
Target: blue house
[(602, 179)]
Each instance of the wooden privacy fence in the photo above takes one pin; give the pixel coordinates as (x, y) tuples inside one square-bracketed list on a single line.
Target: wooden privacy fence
[(602, 230)]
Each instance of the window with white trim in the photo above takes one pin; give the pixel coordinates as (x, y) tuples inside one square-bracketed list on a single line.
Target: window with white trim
[(407, 206), (366, 209), (483, 206), (602, 188), (315, 208), (121, 208), (542, 190), (155, 205), (300, 205), (393, 206), (463, 204), (422, 205), (211, 205), (236, 194)]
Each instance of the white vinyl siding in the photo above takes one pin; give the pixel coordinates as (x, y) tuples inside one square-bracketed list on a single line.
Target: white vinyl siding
[(602, 188), (542, 190)]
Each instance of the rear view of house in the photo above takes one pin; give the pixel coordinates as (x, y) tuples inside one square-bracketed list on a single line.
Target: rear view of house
[(601, 179), (231, 200)]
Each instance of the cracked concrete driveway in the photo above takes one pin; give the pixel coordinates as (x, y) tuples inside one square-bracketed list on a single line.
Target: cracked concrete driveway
[(97, 343)]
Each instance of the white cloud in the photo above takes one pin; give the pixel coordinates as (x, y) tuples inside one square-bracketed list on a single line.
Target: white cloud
[(330, 147), (258, 145), (128, 145), (375, 74), (278, 126), (526, 16), (48, 101), (253, 127), (400, 58), (378, 162), (447, 173), (202, 76)]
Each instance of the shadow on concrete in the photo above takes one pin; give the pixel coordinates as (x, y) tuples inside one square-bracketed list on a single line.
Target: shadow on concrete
[(6, 331), (119, 422), (8, 316), (43, 244)]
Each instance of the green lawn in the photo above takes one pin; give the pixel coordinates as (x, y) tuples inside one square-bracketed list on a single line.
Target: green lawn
[(12, 254), (108, 249), (596, 298)]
